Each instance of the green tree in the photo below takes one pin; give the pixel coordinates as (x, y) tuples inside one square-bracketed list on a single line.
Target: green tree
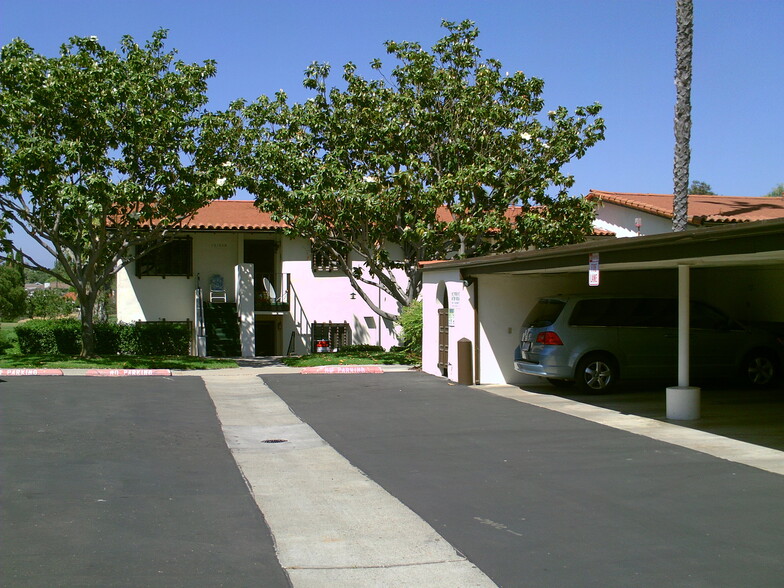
[(103, 152), (42, 276), (684, 39), (697, 187), (776, 192), (12, 293), (411, 322), (427, 159), (49, 303)]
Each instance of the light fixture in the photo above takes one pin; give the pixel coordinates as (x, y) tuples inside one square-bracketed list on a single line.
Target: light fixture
[(353, 296)]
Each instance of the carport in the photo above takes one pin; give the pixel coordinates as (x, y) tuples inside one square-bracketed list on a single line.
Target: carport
[(483, 301)]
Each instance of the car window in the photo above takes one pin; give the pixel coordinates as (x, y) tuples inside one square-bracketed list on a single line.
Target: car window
[(703, 316), (624, 312), (652, 312), (544, 313), (597, 312)]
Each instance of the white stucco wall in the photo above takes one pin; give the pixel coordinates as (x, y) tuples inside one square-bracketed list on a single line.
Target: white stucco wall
[(153, 298), (621, 220), (461, 304)]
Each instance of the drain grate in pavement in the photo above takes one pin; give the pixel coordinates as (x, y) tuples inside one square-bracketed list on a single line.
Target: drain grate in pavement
[(275, 441)]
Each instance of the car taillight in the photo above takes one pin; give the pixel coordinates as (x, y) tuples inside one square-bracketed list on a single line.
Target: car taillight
[(549, 338)]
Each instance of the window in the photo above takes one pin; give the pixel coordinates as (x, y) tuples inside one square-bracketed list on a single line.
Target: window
[(338, 334), (625, 312), (544, 313), (322, 260), (174, 258)]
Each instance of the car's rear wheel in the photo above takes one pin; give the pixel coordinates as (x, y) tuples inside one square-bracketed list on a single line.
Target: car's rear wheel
[(597, 373), (760, 369)]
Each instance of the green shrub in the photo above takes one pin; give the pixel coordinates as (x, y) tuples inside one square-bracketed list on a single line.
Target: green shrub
[(13, 298), (6, 342), (64, 337), (49, 337), (158, 339), (49, 304), (361, 348), (110, 337), (411, 322)]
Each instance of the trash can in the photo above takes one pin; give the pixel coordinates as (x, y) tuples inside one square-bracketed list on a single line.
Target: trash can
[(465, 362)]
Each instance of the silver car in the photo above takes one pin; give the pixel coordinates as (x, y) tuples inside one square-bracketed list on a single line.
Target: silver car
[(596, 340)]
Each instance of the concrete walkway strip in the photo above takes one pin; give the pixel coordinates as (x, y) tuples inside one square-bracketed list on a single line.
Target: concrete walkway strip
[(763, 458), (332, 525)]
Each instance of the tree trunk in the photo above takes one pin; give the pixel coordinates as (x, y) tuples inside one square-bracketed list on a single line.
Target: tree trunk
[(87, 306), (684, 15)]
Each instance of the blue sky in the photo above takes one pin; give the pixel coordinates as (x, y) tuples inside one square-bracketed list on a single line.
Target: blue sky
[(619, 53)]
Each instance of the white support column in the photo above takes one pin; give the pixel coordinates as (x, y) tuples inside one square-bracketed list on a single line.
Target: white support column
[(684, 296), (243, 285), (683, 401)]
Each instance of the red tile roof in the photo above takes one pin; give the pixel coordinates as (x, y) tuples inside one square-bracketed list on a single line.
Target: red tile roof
[(232, 214), (443, 214), (243, 215), (702, 208)]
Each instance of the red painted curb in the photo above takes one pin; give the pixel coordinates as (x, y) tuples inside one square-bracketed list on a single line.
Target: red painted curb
[(30, 372), (120, 373), (343, 369)]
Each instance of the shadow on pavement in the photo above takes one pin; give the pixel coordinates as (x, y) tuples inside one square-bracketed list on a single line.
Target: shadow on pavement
[(753, 416)]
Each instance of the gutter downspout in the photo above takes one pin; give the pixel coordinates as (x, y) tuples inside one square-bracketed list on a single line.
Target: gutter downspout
[(477, 363)]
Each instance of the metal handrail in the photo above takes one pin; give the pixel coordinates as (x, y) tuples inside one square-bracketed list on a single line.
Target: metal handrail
[(201, 328)]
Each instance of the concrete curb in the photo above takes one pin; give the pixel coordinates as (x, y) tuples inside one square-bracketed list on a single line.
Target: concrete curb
[(115, 373), (30, 372), (261, 369)]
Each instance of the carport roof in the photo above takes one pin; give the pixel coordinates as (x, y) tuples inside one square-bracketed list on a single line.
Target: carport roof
[(755, 243)]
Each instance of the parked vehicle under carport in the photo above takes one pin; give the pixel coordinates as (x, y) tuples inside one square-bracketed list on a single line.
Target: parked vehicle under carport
[(596, 340)]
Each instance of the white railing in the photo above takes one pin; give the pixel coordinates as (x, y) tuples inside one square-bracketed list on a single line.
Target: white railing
[(201, 331)]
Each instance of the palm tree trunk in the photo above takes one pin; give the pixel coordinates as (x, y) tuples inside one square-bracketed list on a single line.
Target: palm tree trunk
[(684, 16)]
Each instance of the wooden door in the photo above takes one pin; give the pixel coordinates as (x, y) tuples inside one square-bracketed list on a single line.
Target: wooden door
[(443, 340)]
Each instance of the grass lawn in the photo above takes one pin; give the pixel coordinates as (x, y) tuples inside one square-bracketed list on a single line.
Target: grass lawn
[(13, 359), (185, 362), (353, 358)]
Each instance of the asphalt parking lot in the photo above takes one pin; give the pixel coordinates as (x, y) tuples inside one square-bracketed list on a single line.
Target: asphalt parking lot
[(129, 482), (538, 498), (124, 482)]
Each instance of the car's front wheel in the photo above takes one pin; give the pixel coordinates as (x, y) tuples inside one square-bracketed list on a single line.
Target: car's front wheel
[(597, 373), (760, 369)]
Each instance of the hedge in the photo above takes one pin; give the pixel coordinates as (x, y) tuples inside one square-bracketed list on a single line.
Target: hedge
[(5, 342), (361, 348), (64, 337)]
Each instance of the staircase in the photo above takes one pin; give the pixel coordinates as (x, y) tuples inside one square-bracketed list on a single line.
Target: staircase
[(223, 329)]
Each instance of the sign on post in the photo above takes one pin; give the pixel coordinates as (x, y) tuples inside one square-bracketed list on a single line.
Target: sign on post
[(593, 269)]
